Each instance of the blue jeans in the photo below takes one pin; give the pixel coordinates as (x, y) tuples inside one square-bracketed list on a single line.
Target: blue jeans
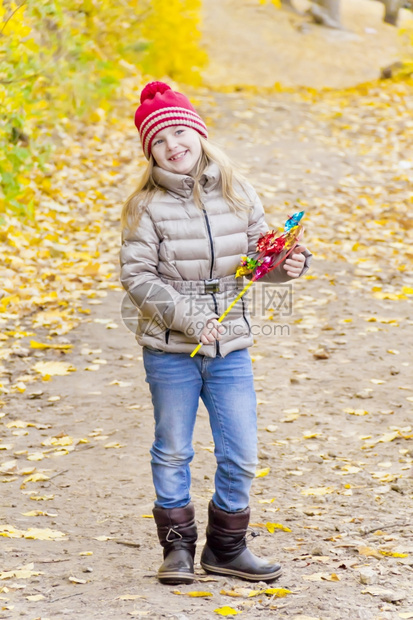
[(226, 387)]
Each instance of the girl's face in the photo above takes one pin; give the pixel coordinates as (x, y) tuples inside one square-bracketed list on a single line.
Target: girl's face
[(177, 149)]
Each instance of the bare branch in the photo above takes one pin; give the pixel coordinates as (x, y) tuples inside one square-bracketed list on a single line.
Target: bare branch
[(11, 15), (23, 79)]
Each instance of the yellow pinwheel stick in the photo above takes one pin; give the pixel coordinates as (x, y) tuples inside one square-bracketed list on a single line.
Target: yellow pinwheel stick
[(224, 314)]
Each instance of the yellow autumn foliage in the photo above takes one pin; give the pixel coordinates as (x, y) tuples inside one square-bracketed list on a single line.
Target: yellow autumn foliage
[(62, 59), (171, 28), (276, 3)]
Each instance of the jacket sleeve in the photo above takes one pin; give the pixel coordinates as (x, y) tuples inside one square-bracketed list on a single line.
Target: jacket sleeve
[(140, 278), (257, 226)]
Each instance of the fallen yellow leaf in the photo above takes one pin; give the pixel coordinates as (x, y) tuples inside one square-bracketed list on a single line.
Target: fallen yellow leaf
[(62, 441), (17, 424), (348, 469), (318, 491), (47, 345), (271, 527), (376, 591), (129, 597), (25, 572), (193, 594), (34, 478), (120, 383), (27, 471), (226, 611), (392, 554), (369, 552), (198, 594), (277, 592), (41, 498), (51, 369), (46, 534), (237, 592), (356, 411), (393, 296), (321, 577), (77, 580), (35, 456), (39, 513), (387, 437), (260, 473)]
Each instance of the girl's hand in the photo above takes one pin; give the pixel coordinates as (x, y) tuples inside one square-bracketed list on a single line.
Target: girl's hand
[(211, 332), (295, 262)]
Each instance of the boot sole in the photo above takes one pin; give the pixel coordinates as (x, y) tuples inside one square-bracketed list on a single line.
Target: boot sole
[(247, 576), (173, 578)]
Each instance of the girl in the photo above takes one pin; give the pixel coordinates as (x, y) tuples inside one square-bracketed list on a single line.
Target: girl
[(184, 231)]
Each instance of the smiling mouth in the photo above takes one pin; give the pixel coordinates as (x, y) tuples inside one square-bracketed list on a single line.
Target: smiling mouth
[(179, 156)]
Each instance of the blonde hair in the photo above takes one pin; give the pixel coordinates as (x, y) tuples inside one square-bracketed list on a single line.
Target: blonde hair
[(138, 201)]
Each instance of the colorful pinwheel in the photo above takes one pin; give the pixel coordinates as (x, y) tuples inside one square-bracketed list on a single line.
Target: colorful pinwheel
[(269, 248)]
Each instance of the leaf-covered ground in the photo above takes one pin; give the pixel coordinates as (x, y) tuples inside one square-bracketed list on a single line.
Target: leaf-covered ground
[(333, 497), (332, 500)]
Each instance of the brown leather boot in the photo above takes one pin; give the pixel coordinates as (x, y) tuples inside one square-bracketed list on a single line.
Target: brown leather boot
[(177, 534), (226, 553)]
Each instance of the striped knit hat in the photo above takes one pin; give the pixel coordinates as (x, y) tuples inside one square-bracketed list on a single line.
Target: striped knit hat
[(161, 107)]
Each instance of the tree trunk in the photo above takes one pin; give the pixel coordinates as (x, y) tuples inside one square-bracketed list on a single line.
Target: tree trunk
[(326, 12), (391, 11)]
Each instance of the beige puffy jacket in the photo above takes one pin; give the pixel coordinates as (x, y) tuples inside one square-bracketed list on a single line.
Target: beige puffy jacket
[(178, 266)]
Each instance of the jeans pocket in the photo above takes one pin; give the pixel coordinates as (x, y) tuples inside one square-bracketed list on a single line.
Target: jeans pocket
[(154, 351)]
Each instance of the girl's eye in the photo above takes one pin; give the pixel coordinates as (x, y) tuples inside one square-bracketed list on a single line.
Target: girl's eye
[(179, 131), (157, 142)]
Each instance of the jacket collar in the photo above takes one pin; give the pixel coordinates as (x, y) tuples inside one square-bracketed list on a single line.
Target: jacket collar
[(183, 184)]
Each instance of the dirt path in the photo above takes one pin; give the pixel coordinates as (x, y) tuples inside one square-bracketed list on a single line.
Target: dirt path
[(332, 366), (335, 433), (253, 43)]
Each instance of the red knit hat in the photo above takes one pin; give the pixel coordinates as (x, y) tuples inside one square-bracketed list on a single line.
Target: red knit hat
[(161, 107)]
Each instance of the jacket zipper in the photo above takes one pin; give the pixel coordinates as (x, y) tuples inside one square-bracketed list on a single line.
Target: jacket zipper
[(211, 243), (244, 315)]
